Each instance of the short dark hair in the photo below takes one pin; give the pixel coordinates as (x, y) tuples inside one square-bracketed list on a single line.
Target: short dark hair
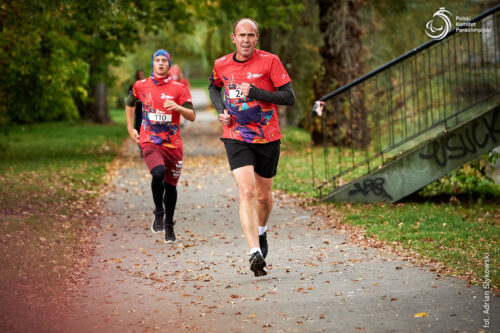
[(138, 75), (242, 19)]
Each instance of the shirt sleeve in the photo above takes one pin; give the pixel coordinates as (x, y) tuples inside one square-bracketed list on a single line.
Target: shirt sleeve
[(133, 91), (278, 73), (132, 96), (184, 96)]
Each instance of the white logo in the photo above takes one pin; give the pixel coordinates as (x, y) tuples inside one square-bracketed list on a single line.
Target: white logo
[(163, 96), (442, 30), (253, 76)]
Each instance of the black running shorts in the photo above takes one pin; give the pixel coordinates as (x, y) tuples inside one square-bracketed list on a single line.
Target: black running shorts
[(263, 156)]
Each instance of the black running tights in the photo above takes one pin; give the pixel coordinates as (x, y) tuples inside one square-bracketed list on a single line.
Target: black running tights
[(163, 194)]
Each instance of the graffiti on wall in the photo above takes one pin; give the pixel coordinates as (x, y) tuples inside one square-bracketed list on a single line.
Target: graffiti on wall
[(464, 142), (371, 185)]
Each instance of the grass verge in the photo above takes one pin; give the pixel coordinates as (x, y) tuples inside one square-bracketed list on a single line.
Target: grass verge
[(50, 175), (456, 230)]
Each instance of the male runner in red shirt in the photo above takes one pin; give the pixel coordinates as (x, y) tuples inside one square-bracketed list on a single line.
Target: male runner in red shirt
[(163, 102), (254, 82)]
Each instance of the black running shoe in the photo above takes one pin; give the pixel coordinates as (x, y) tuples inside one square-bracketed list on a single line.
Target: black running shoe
[(257, 264), (157, 225), (263, 244), (169, 233)]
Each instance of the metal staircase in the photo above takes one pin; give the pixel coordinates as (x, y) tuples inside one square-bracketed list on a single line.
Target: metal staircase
[(415, 119)]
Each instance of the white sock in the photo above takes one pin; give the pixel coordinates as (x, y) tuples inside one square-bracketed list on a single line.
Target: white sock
[(262, 230), (255, 249)]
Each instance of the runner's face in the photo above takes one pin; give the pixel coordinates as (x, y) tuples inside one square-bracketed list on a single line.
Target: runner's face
[(161, 66), (245, 38)]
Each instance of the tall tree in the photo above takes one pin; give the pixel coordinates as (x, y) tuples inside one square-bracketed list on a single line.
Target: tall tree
[(106, 29), (298, 47), (341, 62), (54, 55), (40, 69)]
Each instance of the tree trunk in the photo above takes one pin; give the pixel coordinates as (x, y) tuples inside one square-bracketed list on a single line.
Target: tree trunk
[(266, 40), (99, 107), (96, 110), (342, 54)]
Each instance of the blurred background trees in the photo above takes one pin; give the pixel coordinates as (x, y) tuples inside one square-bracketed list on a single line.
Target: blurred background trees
[(74, 59)]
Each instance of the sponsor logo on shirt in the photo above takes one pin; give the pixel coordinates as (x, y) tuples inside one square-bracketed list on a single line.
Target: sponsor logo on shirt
[(163, 96), (253, 76)]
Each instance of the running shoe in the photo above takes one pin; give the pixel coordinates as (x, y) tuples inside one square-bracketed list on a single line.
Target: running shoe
[(263, 244), (157, 225), (257, 264), (169, 233)]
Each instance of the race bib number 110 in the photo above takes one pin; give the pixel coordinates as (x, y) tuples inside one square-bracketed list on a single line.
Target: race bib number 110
[(160, 117)]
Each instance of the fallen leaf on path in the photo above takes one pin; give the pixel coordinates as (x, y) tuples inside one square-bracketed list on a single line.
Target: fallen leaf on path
[(420, 314)]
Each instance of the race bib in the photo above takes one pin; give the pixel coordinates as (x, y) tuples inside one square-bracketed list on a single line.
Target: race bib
[(235, 93), (160, 117)]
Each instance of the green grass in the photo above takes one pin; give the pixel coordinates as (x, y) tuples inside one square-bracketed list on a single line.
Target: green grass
[(52, 162), (47, 147), (50, 174), (295, 172), (455, 220), (458, 235)]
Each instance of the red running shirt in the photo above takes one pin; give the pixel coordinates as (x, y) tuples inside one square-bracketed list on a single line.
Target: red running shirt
[(159, 125), (254, 121)]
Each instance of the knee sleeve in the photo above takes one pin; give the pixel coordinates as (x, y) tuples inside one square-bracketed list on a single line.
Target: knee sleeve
[(158, 172)]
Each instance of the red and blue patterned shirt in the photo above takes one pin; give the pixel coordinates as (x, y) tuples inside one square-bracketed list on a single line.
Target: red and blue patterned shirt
[(254, 121), (159, 125)]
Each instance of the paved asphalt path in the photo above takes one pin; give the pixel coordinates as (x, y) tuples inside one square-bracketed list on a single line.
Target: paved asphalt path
[(318, 281)]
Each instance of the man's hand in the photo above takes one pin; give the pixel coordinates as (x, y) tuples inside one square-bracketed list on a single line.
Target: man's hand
[(133, 134), (225, 118), (245, 89), (171, 105)]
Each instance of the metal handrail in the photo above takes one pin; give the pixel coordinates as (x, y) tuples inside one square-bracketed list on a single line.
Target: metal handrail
[(403, 57), (431, 88)]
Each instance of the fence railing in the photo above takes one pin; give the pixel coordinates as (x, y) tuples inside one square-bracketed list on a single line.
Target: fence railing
[(407, 101)]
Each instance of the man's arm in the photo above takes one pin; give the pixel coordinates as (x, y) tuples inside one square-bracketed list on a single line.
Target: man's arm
[(283, 96), (216, 97), (186, 110), (130, 116)]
